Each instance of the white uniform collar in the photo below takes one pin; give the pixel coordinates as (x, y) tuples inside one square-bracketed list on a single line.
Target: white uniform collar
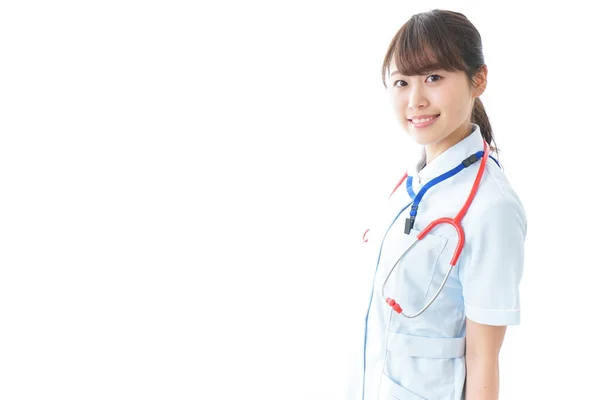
[(448, 159)]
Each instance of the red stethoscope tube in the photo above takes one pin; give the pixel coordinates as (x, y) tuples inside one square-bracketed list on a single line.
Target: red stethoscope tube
[(455, 222)]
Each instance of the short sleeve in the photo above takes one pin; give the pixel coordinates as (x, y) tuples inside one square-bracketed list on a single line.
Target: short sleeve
[(490, 271)]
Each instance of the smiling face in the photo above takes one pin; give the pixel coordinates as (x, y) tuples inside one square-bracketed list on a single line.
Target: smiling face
[(444, 101)]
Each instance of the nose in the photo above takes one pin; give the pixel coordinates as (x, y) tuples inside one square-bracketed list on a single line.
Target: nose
[(417, 98)]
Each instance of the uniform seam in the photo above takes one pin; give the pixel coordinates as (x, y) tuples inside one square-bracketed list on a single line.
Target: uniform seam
[(501, 194), (493, 309)]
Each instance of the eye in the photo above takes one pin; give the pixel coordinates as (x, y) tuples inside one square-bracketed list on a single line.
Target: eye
[(403, 83), (435, 76)]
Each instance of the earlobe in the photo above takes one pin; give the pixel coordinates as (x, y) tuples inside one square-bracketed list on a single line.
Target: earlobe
[(478, 90), (481, 88), (481, 80)]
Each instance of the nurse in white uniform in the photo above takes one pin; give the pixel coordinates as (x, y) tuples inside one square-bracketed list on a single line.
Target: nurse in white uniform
[(445, 349)]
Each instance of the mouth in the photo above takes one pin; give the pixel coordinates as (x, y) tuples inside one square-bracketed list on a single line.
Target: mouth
[(424, 122)]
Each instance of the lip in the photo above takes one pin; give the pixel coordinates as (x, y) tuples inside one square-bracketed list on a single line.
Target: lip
[(423, 116), (424, 124)]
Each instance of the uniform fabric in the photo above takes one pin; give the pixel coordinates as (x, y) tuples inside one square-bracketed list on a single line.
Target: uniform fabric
[(423, 357)]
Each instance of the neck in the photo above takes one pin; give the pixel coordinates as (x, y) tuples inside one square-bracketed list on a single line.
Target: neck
[(432, 151)]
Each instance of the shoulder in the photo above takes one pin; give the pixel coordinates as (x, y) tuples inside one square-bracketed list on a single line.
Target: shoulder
[(496, 204), (496, 194)]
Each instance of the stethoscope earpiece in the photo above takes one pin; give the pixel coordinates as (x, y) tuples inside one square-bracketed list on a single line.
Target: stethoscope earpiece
[(394, 305)]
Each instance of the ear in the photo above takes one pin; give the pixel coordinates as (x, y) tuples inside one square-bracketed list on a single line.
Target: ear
[(480, 81)]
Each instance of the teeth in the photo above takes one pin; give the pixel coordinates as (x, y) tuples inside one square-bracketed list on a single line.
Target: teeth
[(420, 121)]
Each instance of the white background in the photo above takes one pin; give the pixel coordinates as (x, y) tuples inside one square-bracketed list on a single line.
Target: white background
[(184, 186)]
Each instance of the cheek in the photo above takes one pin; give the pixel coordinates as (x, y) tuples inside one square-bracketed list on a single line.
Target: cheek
[(442, 100), (399, 106), (455, 104), (460, 110)]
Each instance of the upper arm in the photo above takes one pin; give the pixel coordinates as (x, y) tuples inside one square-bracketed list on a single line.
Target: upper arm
[(483, 341), (482, 354)]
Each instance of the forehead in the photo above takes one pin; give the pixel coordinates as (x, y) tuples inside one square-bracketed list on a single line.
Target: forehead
[(426, 70), (394, 70), (413, 60)]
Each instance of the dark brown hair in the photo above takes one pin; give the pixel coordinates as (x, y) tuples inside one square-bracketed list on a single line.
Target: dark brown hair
[(440, 39)]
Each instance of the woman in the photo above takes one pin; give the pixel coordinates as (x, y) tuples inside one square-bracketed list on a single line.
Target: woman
[(434, 71)]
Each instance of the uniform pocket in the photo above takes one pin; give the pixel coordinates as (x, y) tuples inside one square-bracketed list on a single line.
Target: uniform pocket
[(425, 365), (410, 284), (390, 390)]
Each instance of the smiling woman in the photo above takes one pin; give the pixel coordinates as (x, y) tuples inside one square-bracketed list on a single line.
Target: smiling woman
[(440, 101), (446, 280), (432, 76)]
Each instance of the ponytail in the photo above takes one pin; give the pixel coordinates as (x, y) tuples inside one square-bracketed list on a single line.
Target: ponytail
[(480, 117)]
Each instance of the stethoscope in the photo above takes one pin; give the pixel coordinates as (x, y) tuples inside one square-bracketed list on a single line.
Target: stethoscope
[(455, 222), (409, 224)]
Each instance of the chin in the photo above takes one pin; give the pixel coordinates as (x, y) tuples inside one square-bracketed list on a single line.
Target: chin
[(423, 138), (426, 136)]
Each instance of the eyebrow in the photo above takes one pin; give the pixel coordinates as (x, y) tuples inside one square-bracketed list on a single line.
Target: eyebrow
[(425, 73)]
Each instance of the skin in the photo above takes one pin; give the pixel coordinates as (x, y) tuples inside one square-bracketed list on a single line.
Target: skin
[(451, 95), (483, 347)]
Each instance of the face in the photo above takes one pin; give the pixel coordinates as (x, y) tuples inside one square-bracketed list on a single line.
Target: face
[(446, 96)]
